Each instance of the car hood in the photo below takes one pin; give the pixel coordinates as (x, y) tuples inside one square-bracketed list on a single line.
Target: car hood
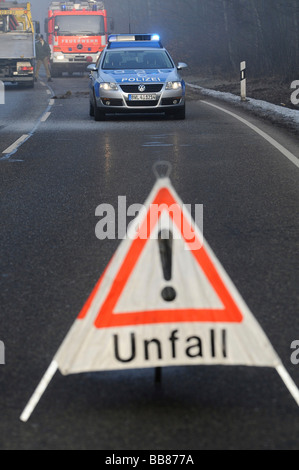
[(139, 76)]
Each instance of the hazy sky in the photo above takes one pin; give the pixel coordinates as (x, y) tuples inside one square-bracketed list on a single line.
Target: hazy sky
[(39, 10)]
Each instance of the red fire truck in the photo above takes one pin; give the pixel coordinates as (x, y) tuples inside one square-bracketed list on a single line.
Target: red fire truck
[(77, 33)]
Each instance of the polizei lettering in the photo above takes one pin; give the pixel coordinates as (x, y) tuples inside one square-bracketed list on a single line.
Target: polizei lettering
[(213, 345), (141, 79)]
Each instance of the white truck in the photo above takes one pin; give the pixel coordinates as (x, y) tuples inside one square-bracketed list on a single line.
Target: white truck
[(17, 43)]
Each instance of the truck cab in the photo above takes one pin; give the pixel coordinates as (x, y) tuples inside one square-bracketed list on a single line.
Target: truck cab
[(77, 33)]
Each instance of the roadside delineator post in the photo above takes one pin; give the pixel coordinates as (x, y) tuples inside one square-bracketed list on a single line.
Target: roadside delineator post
[(2, 353), (2, 93), (243, 80)]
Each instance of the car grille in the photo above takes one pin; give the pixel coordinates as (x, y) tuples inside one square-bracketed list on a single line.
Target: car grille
[(149, 88), (141, 103)]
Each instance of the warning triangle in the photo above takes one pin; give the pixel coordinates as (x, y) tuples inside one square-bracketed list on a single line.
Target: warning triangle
[(199, 319), (193, 293), (127, 306), (135, 293)]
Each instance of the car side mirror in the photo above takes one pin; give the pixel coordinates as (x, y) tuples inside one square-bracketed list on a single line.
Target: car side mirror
[(92, 68), (181, 65)]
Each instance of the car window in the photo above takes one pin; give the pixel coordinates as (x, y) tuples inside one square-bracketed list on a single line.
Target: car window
[(99, 60), (133, 59)]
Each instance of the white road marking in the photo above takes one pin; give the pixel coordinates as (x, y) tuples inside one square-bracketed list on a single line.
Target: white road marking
[(263, 134), (12, 149), (15, 145), (45, 116)]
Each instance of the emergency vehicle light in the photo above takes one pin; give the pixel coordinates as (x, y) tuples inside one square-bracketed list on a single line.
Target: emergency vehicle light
[(89, 5), (133, 37)]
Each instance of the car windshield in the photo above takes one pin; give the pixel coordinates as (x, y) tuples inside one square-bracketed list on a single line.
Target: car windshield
[(136, 59)]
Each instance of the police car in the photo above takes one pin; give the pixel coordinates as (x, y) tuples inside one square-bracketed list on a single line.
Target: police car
[(135, 74)]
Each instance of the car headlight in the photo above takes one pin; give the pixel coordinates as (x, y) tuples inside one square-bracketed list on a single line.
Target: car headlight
[(173, 86), (108, 86)]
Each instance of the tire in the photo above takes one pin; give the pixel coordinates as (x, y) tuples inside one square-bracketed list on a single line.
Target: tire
[(91, 110), (180, 114), (99, 115)]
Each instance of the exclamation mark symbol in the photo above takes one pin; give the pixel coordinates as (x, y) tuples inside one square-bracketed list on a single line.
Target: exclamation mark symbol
[(165, 240)]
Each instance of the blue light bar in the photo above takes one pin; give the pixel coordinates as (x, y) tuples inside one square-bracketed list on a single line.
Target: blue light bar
[(133, 37), (120, 37)]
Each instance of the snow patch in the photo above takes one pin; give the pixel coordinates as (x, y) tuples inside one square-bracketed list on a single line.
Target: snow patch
[(288, 116)]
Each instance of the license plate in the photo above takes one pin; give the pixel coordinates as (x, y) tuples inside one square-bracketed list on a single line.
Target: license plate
[(143, 97)]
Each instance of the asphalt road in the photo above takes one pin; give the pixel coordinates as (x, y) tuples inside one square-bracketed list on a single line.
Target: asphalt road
[(51, 259)]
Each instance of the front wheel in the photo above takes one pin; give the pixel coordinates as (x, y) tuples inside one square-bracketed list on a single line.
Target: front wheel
[(91, 110), (99, 115), (180, 114)]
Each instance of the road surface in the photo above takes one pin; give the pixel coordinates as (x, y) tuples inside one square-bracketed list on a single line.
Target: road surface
[(56, 166)]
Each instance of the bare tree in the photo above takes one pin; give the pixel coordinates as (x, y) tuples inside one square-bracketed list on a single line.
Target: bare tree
[(217, 34)]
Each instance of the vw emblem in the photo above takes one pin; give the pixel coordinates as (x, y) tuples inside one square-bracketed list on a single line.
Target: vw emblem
[(141, 88)]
